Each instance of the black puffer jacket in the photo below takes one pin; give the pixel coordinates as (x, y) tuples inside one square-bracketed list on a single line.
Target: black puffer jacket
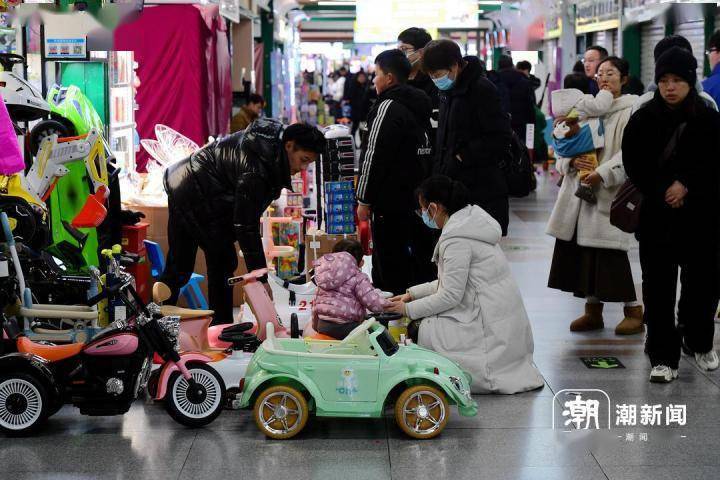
[(695, 165), (396, 151), (231, 182), (473, 138)]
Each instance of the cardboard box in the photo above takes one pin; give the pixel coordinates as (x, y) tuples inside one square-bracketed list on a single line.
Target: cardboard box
[(157, 218), (318, 243)]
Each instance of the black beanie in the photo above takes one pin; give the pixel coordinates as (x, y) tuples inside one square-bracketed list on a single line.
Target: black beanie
[(669, 42), (677, 61)]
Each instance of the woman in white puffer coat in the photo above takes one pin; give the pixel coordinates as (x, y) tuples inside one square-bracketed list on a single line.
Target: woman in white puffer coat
[(474, 313)]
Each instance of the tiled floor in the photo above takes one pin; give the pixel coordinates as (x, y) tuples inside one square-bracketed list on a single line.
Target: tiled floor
[(511, 438)]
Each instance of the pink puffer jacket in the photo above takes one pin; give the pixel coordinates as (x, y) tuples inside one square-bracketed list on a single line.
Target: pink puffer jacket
[(344, 292)]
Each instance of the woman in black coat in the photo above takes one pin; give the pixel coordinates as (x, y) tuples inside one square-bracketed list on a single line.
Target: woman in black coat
[(680, 215), (473, 135)]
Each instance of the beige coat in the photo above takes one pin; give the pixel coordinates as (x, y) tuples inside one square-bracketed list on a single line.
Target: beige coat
[(474, 313), (593, 220)]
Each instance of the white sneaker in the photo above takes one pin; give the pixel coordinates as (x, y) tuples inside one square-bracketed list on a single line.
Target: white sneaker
[(707, 361), (663, 374)]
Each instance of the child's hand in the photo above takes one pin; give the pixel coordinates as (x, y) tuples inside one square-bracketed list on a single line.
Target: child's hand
[(396, 307), (401, 298)]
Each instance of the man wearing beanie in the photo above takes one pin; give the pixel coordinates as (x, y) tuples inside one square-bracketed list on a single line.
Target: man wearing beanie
[(669, 152), (663, 46)]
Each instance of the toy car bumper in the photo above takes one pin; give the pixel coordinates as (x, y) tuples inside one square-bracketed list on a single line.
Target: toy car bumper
[(469, 409)]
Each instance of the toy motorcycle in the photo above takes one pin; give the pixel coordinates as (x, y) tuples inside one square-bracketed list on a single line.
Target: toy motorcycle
[(104, 376)]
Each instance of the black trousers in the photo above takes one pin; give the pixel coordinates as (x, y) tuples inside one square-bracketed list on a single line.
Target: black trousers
[(402, 251), (698, 303), (184, 237)]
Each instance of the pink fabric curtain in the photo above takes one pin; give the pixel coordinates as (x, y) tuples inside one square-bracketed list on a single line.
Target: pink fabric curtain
[(185, 76)]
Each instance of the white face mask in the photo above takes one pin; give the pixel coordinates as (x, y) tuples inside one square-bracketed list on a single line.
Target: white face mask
[(410, 53)]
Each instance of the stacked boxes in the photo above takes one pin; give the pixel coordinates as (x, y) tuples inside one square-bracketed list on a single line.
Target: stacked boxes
[(340, 207), (339, 163)]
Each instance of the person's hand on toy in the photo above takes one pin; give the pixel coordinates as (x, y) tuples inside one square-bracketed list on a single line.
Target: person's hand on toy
[(268, 289), (583, 163), (594, 179), (397, 307), (405, 297), (363, 212)]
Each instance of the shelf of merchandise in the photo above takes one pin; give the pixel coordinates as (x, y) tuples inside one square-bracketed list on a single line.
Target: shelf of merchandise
[(122, 109)]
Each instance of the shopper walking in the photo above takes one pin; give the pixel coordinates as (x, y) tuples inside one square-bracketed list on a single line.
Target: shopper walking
[(670, 153), (473, 313), (359, 103), (248, 113), (521, 94), (591, 61), (712, 83), (391, 169), (217, 195), (473, 132), (590, 258)]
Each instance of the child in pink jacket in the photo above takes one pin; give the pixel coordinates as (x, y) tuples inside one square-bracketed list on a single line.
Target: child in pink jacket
[(344, 292)]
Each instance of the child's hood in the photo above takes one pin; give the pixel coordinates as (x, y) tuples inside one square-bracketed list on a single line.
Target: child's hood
[(334, 269), (564, 100)]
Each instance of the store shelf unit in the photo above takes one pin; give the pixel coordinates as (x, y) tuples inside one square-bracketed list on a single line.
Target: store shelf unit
[(122, 109)]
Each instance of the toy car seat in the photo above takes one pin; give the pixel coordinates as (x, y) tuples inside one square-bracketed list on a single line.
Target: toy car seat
[(195, 329)]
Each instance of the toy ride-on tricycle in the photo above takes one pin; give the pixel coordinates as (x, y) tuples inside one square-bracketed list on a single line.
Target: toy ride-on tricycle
[(288, 379)]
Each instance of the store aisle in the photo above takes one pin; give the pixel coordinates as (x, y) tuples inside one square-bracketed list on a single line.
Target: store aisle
[(511, 438)]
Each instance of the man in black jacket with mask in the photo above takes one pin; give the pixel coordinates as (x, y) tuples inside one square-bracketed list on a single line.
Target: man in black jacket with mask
[(411, 42), (473, 132), (394, 157), (217, 195)]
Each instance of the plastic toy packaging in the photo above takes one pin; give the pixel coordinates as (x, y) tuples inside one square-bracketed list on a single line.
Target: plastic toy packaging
[(11, 160), (169, 148)]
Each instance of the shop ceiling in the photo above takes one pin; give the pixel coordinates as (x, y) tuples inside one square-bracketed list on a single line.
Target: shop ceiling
[(334, 20)]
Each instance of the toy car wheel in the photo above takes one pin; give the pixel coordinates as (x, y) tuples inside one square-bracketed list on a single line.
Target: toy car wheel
[(23, 403), (198, 406), (46, 128), (422, 412), (281, 412)]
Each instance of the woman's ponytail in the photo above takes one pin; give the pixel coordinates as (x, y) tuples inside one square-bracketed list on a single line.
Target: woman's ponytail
[(440, 189)]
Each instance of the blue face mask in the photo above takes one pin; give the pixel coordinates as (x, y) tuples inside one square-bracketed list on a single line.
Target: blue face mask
[(430, 222), (444, 82)]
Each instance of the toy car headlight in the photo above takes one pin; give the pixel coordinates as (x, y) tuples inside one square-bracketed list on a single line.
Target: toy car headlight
[(457, 383)]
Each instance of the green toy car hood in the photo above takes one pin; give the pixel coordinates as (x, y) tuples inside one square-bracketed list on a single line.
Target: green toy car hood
[(425, 358)]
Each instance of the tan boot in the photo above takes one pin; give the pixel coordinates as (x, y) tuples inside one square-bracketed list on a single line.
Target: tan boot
[(632, 323), (592, 320)]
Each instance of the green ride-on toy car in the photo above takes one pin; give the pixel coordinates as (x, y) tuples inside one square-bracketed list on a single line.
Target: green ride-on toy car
[(356, 377)]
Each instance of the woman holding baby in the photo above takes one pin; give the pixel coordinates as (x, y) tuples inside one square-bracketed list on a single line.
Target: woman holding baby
[(590, 258)]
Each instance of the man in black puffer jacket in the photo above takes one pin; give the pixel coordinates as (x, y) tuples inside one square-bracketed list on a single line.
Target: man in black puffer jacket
[(473, 132), (217, 195), (395, 159)]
